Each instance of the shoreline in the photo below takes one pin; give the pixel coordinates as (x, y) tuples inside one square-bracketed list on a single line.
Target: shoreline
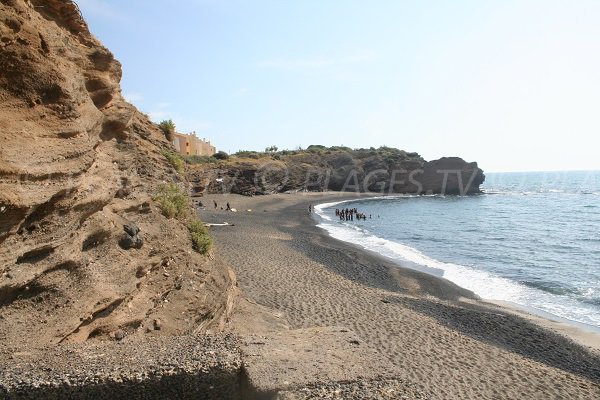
[(585, 334), (436, 334)]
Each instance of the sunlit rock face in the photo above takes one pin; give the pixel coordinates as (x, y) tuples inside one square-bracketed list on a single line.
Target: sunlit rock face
[(77, 165)]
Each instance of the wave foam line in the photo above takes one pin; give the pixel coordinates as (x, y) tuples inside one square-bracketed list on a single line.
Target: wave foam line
[(482, 283)]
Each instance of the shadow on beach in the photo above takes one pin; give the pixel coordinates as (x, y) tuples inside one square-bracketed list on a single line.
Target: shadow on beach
[(494, 327), (214, 385), (511, 333)]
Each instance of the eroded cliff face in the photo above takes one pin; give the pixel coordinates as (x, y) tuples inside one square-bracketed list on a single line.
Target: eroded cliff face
[(77, 164), (385, 171)]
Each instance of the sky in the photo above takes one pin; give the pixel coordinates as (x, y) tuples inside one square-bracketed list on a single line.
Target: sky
[(513, 85)]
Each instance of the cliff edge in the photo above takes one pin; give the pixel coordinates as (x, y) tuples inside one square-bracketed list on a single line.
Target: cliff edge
[(84, 251)]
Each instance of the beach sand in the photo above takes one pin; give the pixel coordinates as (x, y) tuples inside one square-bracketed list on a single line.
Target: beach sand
[(436, 335)]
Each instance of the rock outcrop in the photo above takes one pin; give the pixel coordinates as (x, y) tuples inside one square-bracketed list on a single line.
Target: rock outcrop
[(383, 170), (77, 164)]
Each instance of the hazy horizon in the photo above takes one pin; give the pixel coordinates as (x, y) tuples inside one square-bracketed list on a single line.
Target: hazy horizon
[(513, 85)]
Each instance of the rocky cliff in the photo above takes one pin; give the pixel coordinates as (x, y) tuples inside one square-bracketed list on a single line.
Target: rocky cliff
[(384, 170), (84, 252)]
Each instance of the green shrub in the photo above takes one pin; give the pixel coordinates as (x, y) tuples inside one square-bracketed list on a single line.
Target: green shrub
[(340, 148), (201, 240), (221, 155), (316, 148), (199, 159), (172, 201), (174, 159), (250, 154), (167, 126)]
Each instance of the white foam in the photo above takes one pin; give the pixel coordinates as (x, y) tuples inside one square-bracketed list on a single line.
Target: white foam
[(484, 284)]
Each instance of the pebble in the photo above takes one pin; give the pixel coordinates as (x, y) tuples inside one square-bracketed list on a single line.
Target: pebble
[(157, 324), (66, 371), (391, 389)]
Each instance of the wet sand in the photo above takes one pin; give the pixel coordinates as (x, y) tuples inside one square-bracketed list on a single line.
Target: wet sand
[(437, 335)]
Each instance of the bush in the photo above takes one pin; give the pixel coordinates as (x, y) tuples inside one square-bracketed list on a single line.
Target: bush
[(340, 148), (172, 202), (200, 159), (174, 159), (201, 240), (250, 154), (168, 128), (221, 155), (316, 148)]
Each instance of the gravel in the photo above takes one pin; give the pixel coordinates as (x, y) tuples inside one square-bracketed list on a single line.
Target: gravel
[(379, 389), (157, 368)]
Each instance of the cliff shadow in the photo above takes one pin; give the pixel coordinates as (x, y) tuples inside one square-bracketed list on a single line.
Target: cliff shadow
[(511, 333)]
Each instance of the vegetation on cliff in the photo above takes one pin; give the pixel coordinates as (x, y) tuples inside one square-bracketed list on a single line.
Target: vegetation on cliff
[(176, 161), (168, 128), (175, 203), (275, 153)]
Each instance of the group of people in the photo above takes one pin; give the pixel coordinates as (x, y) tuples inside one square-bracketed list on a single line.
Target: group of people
[(228, 206), (348, 214)]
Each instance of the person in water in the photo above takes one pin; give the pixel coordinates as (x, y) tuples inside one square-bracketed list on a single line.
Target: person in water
[(350, 214)]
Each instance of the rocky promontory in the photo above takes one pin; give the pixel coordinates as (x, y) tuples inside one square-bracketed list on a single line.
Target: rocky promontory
[(384, 170)]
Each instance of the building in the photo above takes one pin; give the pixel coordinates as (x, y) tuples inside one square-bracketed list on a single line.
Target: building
[(191, 145)]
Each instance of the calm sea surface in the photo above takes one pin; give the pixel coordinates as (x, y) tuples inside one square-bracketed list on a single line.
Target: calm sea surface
[(532, 239)]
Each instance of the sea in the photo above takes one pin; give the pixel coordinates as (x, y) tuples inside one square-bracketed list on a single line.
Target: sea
[(531, 239)]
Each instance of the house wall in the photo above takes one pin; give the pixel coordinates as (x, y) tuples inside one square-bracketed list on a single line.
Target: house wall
[(191, 145)]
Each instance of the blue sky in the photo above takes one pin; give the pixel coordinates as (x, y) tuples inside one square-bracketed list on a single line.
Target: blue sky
[(514, 85)]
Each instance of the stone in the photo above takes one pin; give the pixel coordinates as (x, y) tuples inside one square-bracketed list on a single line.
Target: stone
[(131, 238), (131, 229), (178, 283), (122, 193), (119, 335), (141, 271)]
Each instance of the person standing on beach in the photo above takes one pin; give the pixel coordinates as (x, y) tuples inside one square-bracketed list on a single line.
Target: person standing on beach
[(228, 207), (216, 206)]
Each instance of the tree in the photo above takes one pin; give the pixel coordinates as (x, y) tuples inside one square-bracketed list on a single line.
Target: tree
[(271, 149)]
